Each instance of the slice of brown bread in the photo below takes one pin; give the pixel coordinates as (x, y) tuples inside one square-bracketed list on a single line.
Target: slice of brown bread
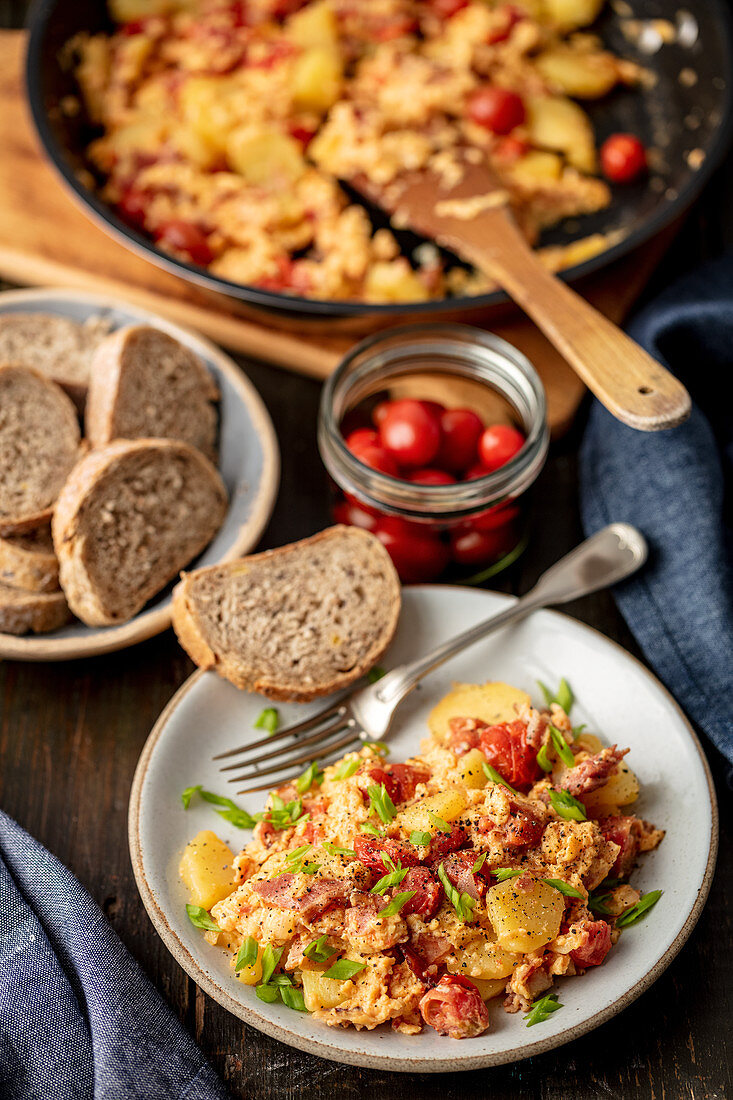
[(56, 347), (294, 623), (39, 444), (29, 562), (128, 519), (31, 612), (144, 383)]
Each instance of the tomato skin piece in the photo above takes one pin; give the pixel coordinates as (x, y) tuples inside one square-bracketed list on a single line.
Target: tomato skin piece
[(461, 430), (133, 206), (428, 476), (496, 109), (428, 893), (623, 158), (186, 238), (354, 515), (416, 557), (370, 851), (377, 458), (407, 777), (441, 844), (506, 749), (510, 148), (498, 444), (410, 432)]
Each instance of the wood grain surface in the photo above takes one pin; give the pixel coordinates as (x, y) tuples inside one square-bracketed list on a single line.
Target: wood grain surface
[(33, 203), (70, 736)]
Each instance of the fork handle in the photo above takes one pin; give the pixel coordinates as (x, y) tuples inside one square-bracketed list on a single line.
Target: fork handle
[(613, 553)]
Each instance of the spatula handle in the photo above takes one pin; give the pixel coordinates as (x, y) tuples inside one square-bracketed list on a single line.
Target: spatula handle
[(624, 378)]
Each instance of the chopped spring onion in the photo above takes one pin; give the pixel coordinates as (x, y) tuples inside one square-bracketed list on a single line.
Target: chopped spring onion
[(439, 822), (344, 969), (310, 776), (247, 954), (382, 804), (420, 839), (492, 774), (396, 903), (636, 912), (562, 748), (200, 918), (318, 951), (542, 1009), (268, 720), (462, 903), (566, 806), (563, 887), (346, 769)]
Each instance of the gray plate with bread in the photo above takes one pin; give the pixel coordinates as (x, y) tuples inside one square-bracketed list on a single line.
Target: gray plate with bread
[(130, 449)]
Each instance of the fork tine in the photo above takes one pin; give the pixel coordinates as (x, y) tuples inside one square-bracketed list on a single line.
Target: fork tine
[(302, 758), (299, 727), (323, 734), (339, 745)]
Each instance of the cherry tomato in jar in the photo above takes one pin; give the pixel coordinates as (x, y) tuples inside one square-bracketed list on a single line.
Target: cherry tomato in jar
[(186, 238), (473, 547), (498, 444), (434, 407), (461, 430), (354, 515), (416, 557), (477, 470), (360, 438), (623, 158), (501, 515), (431, 477), (446, 9), (496, 109), (379, 412), (377, 458), (410, 432)]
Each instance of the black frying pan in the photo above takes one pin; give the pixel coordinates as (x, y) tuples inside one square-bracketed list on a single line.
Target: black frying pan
[(681, 119)]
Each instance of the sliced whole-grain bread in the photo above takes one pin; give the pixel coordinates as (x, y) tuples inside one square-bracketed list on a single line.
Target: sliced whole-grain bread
[(31, 612), (128, 519), (56, 347), (294, 623), (39, 444), (29, 562), (144, 383)]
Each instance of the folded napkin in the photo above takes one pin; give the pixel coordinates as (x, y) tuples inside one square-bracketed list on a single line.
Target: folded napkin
[(78, 1018), (675, 486)]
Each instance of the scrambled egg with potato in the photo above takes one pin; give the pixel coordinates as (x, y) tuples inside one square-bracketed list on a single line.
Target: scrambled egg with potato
[(417, 893)]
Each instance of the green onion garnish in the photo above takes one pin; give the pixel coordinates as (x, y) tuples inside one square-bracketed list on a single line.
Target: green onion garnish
[(270, 958), (420, 839), (543, 759), (462, 903), (561, 746), (382, 804), (563, 887), (636, 912), (310, 776), (542, 1009), (396, 903), (566, 806), (438, 822), (394, 878), (563, 696), (371, 829), (318, 951), (200, 918), (479, 863), (346, 768), (501, 874), (492, 774), (232, 813), (188, 794), (247, 954), (333, 850), (268, 720), (344, 969)]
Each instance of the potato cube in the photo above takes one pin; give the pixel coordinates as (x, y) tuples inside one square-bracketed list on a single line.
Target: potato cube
[(620, 790), (252, 975), (491, 702), (206, 869), (536, 170), (315, 82), (447, 805), (265, 156), (314, 25), (559, 124), (320, 992), (489, 987), (471, 771), (585, 74), (482, 958), (571, 14), (524, 920), (393, 281), (210, 108)]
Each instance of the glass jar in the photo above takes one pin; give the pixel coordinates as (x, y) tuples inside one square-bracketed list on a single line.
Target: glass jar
[(468, 530)]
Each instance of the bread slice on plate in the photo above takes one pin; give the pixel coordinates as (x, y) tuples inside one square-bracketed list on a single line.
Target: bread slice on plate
[(56, 347), (29, 562), (144, 383), (128, 519), (39, 444), (294, 623), (31, 612)]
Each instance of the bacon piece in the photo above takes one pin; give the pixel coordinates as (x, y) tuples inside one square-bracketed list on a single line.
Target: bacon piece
[(320, 895), (314, 832), (597, 943), (624, 831), (455, 1008), (425, 952), (371, 850), (459, 870), (506, 748), (443, 843), (521, 829), (593, 772), (463, 734), (428, 893)]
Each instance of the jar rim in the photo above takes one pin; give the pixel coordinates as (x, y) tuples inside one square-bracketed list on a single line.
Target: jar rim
[(461, 350)]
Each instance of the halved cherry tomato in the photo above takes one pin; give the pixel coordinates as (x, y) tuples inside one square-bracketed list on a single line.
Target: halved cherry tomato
[(303, 134), (506, 749), (461, 430), (187, 238), (370, 851), (360, 438), (378, 459), (454, 1007), (623, 158), (498, 444), (472, 547), (354, 515), (428, 893), (510, 148), (416, 557), (496, 109), (431, 477), (443, 843), (407, 777), (133, 206), (597, 945), (411, 432)]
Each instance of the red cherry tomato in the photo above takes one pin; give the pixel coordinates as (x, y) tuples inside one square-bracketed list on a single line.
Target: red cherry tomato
[(431, 477), (379, 412), (186, 238), (360, 438), (370, 851), (478, 470), (303, 134), (501, 515), (407, 777), (443, 843), (498, 444), (434, 407), (623, 158), (506, 749), (354, 515), (446, 9), (428, 893), (416, 557), (474, 547), (496, 109), (461, 430), (597, 945), (378, 459), (410, 432), (454, 1007), (510, 17), (133, 205), (510, 148)]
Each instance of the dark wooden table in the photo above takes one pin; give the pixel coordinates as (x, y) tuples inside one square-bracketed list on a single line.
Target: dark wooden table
[(70, 736)]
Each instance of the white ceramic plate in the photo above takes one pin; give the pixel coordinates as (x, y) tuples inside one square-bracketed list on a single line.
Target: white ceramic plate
[(616, 696), (249, 463)]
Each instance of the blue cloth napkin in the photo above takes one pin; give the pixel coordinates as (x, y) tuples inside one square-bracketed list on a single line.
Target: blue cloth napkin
[(78, 1018), (675, 486)]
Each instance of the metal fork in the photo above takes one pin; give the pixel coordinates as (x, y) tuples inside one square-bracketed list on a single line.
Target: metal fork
[(365, 714)]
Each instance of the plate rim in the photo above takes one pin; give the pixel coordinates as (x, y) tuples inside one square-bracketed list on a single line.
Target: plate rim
[(402, 1064), (146, 625)]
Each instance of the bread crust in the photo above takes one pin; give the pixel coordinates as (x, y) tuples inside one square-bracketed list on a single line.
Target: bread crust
[(64, 338), (191, 632), (103, 407), (31, 612), (69, 539), (29, 564)]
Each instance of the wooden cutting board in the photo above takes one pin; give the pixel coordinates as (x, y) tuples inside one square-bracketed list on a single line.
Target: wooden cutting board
[(46, 239)]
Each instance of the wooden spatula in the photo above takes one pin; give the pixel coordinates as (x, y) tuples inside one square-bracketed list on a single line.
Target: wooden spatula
[(473, 219)]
